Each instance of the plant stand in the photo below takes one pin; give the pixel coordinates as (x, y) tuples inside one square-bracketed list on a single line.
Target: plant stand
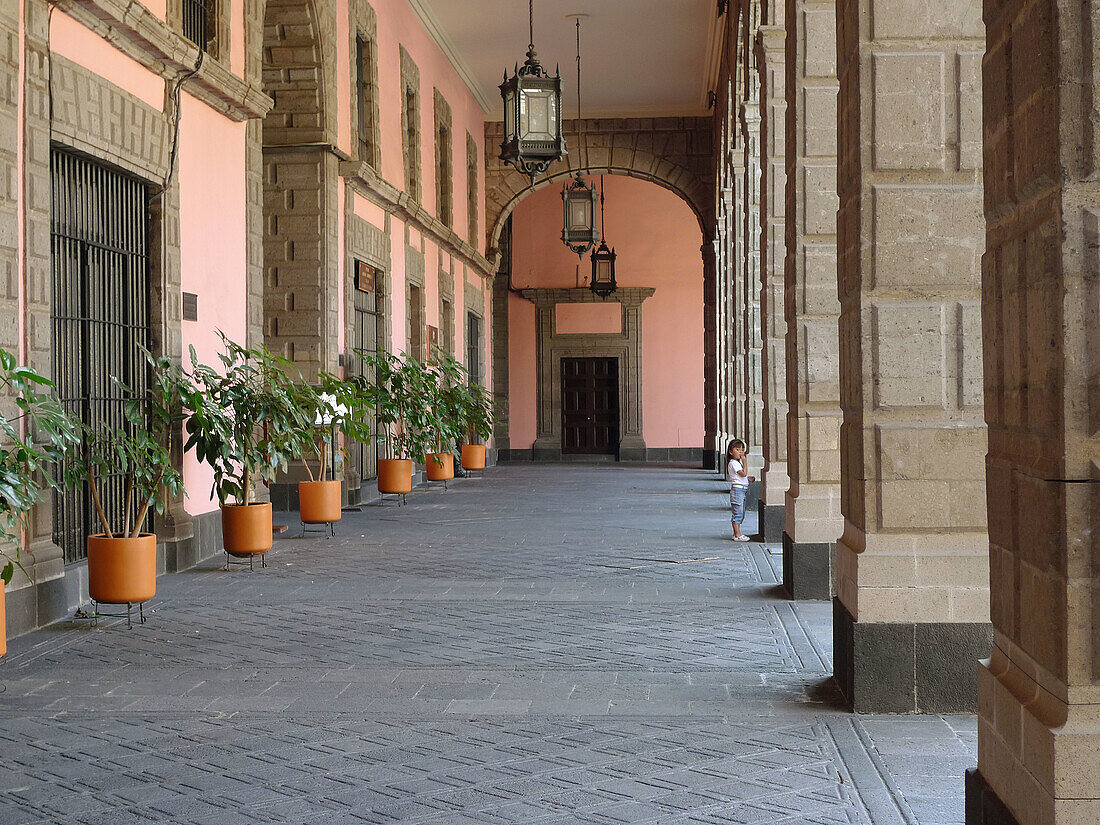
[(328, 528), (401, 500), (240, 562), (128, 614)]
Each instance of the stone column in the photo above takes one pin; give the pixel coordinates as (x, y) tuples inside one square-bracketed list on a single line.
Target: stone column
[(770, 46), (752, 431), (813, 519), (912, 607), (1039, 693)]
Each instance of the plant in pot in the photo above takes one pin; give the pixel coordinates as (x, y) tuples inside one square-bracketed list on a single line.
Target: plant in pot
[(449, 379), (37, 435), (334, 407), (477, 413), (246, 423), (399, 393), (122, 560)]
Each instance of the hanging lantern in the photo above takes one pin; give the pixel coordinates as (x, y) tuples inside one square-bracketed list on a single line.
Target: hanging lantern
[(532, 114), (603, 271), (579, 232), (578, 198), (603, 260)]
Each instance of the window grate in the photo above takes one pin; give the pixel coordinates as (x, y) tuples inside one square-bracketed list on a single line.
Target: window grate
[(100, 316), (195, 14), (473, 347)]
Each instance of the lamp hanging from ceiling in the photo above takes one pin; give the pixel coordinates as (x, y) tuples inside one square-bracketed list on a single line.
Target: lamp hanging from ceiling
[(579, 231), (532, 113), (603, 259)]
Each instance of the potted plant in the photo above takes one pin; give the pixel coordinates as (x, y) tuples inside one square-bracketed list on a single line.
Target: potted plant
[(333, 407), (477, 425), (246, 423), (445, 414), (37, 434), (122, 560), (399, 394)]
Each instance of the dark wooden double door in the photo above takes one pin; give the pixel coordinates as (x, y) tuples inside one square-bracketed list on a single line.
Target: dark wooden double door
[(590, 406)]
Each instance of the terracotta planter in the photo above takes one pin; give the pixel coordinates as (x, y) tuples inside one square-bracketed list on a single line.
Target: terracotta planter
[(3, 624), (439, 466), (395, 475), (122, 570), (319, 501), (473, 456), (246, 528)]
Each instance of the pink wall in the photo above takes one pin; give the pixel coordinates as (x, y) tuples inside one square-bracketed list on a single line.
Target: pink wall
[(213, 240), (657, 239)]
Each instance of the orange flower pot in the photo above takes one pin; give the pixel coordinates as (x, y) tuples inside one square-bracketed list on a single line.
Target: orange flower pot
[(439, 466), (3, 623), (319, 501), (122, 570), (395, 475), (473, 456), (246, 528)]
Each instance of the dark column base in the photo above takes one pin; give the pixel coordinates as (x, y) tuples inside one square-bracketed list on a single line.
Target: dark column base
[(752, 497), (908, 667), (770, 523), (808, 569), (983, 806), (206, 542)]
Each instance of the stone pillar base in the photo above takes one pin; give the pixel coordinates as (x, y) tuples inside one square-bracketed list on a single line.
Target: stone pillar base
[(908, 667), (808, 569), (983, 806), (772, 519)]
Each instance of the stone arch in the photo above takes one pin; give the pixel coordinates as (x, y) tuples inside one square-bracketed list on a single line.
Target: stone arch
[(675, 153), (300, 184)]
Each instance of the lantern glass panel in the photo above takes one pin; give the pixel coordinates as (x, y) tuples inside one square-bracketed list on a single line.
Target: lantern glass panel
[(535, 114), (509, 115), (603, 271), (580, 216)]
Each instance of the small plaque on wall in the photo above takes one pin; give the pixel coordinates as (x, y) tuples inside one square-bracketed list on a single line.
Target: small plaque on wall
[(190, 306), (433, 339), (366, 277)]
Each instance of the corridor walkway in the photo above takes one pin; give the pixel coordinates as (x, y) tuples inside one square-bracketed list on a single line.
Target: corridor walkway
[(565, 644)]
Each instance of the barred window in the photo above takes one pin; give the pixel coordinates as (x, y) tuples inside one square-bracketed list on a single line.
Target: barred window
[(197, 18)]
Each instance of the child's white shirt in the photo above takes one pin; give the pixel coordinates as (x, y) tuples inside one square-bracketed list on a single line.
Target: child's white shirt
[(732, 471)]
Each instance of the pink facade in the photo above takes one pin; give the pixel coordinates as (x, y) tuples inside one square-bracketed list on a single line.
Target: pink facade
[(657, 238)]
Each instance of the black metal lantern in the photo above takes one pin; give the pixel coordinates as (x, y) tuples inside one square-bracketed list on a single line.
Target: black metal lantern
[(603, 271), (578, 198), (603, 260), (579, 230), (532, 114)]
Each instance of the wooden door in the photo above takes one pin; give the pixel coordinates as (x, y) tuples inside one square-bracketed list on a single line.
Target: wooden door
[(590, 406)]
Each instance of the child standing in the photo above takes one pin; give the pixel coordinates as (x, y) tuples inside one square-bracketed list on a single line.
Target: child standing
[(738, 473)]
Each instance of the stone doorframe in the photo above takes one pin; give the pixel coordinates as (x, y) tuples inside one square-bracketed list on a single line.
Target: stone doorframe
[(551, 348)]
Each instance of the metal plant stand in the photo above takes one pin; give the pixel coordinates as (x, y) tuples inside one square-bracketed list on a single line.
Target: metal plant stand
[(328, 528), (234, 560), (128, 614)]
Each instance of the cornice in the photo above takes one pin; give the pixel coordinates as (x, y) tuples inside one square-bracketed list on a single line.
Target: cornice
[(142, 36), (443, 40), (364, 180)]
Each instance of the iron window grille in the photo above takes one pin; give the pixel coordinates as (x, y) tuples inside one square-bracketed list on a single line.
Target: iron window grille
[(196, 18), (473, 347), (100, 314)]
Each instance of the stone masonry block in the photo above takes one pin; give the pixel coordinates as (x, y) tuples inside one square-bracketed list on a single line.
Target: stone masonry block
[(821, 199), (932, 18), (909, 111), (927, 236), (909, 355), (820, 43), (819, 121)]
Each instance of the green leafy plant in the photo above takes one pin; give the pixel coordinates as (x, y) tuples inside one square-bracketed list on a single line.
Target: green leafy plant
[(140, 452), (400, 393), (37, 435), (447, 400), (334, 406), (477, 411), (246, 421)]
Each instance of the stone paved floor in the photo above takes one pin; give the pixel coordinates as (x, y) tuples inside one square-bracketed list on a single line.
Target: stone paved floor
[(566, 644)]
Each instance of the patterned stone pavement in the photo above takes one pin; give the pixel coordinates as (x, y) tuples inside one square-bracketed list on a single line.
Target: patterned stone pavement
[(546, 644)]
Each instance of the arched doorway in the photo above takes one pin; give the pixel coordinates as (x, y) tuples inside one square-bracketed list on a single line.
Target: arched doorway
[(621, 377)]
